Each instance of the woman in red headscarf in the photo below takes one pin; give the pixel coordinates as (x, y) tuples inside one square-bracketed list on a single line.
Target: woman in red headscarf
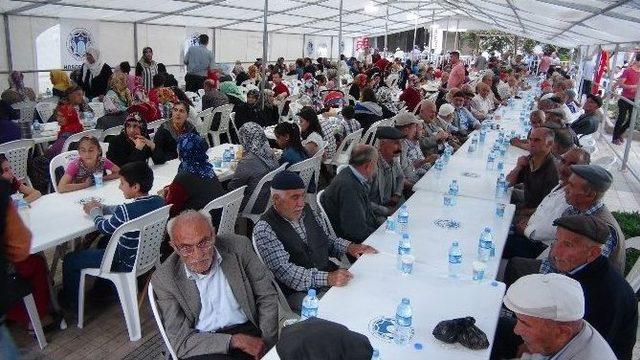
[(411, 95), (359, 83)]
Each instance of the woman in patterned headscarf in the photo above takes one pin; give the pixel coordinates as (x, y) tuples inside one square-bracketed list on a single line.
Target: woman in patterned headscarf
[(196, 183), (411, 95), (17, 91), (118, 97), (258, 159)]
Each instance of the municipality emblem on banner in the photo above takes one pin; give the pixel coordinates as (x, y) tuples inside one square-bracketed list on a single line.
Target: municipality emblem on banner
[(193, 40), (78, 41)]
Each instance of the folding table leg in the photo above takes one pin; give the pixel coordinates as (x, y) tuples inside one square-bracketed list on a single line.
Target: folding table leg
[(30, 304)]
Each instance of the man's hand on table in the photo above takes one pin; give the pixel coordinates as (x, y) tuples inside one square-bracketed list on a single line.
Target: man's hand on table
[(91, 205), (356, 250), (339, 277)]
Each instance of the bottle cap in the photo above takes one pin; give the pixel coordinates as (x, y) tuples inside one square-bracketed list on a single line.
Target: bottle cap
[(406, 301), (312, 292)]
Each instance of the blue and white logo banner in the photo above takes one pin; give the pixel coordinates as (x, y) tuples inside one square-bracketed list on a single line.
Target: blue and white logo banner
[(75, 37)]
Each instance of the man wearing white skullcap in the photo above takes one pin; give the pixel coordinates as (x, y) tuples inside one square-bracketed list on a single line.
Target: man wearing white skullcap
[(550, 309)]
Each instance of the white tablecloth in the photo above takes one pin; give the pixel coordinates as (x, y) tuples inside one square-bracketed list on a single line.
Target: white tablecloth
[(57, 218), (376, 290)]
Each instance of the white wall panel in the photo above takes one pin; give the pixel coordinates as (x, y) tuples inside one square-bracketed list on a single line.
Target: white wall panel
[(288, 46), (232, 45), (116, 43)]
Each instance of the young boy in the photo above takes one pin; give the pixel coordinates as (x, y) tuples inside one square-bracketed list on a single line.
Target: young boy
[(136, 179)]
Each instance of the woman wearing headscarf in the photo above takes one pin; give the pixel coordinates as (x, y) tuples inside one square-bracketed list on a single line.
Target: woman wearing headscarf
[(257, 160), (60, 81), (147, 68), (248, 111), (359, 83), (118, 98), (232, 91), (270, 114), (95, 74), (367, 110), (166, 138), (254, 75), (17, 92), (69, 123), (196, 183), (133, 143), (411, 95)]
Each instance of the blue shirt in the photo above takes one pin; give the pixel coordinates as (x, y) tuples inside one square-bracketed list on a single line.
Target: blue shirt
[(292, 156), (198, 60)]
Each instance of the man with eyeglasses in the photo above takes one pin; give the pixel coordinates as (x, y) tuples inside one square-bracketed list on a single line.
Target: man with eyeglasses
[(216, 298), (535, 233)]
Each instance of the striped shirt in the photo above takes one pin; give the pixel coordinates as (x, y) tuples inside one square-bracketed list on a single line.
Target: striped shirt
[(277, 258), (148, 72), (125, 254)]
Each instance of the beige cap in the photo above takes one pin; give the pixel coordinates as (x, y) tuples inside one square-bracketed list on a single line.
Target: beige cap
[(405, 118), (546, 296), (446, 110)]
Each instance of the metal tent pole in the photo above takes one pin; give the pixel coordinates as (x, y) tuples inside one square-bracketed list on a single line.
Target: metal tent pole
[(7, 41), (135, 42), (265, 45), (340, 49), (386, 31), (446, 37), (455, 39)]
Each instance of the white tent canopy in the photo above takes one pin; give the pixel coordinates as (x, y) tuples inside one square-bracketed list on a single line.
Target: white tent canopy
[(563, 22)]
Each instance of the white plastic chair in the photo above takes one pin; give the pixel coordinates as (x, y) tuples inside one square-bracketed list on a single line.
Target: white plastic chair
[(45, 109), (153, 126), (201, 92), (232, 120), (343, 153), (369, 137), (633, 277), (34, 318), (98, 109), (105, 147), (27, 109), (158, 317), (206, 118), (192, 96), (265, 181), (151, 227), (17, 152), (96, 133), (323, 213), (225, 112), (60, 160), (112, 131), (306, 169), (230, 205)]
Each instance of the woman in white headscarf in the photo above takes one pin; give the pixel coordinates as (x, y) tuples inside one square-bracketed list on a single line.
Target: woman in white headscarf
[(95, 74)]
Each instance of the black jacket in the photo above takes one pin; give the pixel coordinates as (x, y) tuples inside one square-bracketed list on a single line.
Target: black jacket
[(98, 85), (123, 151), (610, 305), (166, 146)]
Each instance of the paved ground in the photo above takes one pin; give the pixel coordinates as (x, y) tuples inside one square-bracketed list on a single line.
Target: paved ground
[(105, 336)]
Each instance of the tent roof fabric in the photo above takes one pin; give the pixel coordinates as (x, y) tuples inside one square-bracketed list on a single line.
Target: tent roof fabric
[(562, 22)]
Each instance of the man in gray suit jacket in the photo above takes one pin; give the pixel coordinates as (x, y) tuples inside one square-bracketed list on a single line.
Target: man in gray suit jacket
[(216, 298)]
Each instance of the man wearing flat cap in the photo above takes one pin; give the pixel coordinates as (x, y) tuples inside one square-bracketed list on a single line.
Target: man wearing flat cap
[(550, 311), (387, 183), (295, 243), (414, 164), (588, 122)]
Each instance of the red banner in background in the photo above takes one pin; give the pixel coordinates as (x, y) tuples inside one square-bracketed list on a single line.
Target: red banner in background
[(600, 71), (362, 43)]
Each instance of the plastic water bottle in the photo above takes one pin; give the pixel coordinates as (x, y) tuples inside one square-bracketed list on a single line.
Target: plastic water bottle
[(227, 157), (309, 305), (48, 93), (376, 355), (491, 159), (37, 128), (485, 245), (23, 207), (403, 219), (439, 165), (404, 317), (483, 135), (455, 260), (500, 165), (501, 186), (404, 248), (453, 191)]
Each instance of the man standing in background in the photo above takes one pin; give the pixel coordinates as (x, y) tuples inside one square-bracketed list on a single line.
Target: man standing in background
[(198, 60)]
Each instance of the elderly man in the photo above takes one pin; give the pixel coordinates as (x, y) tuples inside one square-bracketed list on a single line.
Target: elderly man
[(482, 104), (346, 199), (463, 118), (296, 244), (537, 172), (388, 182), (216, 298), (433, 135), (550, 311), (414, 164), (588, 122), (535, 233), (584, 190), (563, 140), (537, 119)]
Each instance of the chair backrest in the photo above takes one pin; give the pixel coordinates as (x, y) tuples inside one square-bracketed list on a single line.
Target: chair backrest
[(192, 96), (323, 213), (244, 91), (153, 126), (60, 160), (232, 121), (97, 133), (201, 92), (158, 317), (27, 109), (369, 136), (225, 112), (343, 153), (17, 152), (45, 110), (306, 169), (206, 117), (98, 109), (112, 131), (633, 277), (105, 147), (265, 181), (151, 227), (230, 204)]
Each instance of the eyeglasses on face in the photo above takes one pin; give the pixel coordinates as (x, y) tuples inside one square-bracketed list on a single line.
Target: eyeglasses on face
[(188, 250)]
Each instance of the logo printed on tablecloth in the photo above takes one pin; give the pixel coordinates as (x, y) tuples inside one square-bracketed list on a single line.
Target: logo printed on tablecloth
[(384, 328)]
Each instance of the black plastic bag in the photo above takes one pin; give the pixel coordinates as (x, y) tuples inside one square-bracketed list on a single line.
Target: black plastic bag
[(462, 330)]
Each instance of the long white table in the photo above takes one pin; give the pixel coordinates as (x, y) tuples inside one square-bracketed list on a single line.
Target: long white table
[(57, 218), (376, 290), (431, 238)]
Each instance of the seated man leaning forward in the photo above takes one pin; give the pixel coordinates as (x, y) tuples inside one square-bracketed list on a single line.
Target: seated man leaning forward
[(216, 298), (295, 243)]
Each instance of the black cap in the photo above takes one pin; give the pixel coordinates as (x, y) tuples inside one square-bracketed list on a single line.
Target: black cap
[(597, 99), (389, 132), (598, 177), (585, 225), (287, 180), (315, 339)]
